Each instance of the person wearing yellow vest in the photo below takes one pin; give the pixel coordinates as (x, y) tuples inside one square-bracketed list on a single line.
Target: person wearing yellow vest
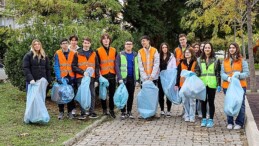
[(84, 58), (148, 61), (127, 72), (179, 50), (106, 57), (188, 63), (63, 69), (208, 70), (167, 61), (234, 63)]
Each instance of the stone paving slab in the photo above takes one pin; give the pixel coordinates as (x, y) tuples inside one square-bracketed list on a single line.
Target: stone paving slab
[(165, 131)]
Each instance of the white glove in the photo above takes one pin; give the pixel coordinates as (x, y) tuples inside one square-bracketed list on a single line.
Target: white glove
[(32, 82), (137, 84), (120, 81), (85, 74), (95, 84), (229, 79)]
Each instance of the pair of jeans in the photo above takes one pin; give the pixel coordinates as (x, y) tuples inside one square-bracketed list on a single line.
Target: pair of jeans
[(189, 105), (240, 120), (92, 90), (130, 85), (210, 98), (161, 96)]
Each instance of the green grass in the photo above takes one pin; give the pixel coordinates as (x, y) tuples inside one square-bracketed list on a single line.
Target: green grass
[(14, 132), (257, 66)]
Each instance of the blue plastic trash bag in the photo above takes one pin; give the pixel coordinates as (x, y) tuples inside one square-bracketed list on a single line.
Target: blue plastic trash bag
[(62, 93), (234, 98), (168, 80), (83, 95), (103, 84), (36, 111), (193, 87), (147, 99), (120, 97)]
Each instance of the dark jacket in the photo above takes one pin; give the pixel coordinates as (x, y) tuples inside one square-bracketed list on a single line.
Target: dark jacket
[(217, 68), (78, 70), (35, 69)]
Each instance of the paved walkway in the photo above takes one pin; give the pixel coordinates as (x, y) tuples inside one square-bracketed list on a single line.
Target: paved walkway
[(165, 131)]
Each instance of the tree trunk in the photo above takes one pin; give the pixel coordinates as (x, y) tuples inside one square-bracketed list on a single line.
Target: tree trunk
[(250, 48), (243, 43)]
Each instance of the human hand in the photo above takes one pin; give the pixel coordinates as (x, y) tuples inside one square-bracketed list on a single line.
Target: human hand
[(32, 82), (218, 88), (120, 81), (85, 74), (95, 84), (229, 79)]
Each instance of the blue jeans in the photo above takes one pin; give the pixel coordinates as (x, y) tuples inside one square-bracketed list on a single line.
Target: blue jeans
[(240, 120), (189, 105)]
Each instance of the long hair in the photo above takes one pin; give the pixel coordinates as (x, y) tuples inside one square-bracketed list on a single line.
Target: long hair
[(106, 35), (193, 57), (237, 53), (198, 54), (162, 53), (41, 53), (212, 53)]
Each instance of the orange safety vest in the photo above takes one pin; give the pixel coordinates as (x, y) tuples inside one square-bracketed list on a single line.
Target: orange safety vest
[(107, 62), (236, 67), (184, 67), (179, 54), (65, 65), (83, 63), (148, 65)]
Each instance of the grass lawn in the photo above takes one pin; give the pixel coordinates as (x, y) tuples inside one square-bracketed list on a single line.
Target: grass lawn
[(257, 66), (14, 132)]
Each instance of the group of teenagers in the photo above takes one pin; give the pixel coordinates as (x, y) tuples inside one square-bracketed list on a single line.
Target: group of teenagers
[(133, 68)]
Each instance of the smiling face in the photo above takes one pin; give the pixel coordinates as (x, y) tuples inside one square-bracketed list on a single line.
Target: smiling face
[(73, 42), (232, 49), (196, 48), (164, 49), (86, 44), (128, 46), (183, 41), (145, 43), (187, 54), (207, 49), (37, 46)]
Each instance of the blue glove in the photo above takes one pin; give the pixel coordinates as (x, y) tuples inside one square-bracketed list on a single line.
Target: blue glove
[(218, 88)]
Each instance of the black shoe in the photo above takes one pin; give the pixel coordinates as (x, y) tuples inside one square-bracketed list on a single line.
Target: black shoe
[(112, 114), (130, 115), (93, 116)]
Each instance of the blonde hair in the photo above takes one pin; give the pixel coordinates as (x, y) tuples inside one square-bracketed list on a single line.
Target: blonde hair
[(41, 53)]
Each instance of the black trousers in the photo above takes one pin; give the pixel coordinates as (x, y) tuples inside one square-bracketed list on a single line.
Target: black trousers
[(111, 90), (130, 85), (161, 96), (210, 97), (71, 104)]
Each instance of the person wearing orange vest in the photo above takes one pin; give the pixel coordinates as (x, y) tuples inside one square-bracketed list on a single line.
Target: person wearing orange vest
[(63, 59), (73, 43), (208, 70), (148, 60), (234, 63), (84, 58), (107, 57), (188, 63), (179, 50)]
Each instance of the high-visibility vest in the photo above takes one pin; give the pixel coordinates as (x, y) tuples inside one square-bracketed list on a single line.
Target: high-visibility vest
[(229, 70), (124, 65), (208, 75), (65, 65), (185, 67), (148, 64), (107, 62), (84, 63), (178, 55)]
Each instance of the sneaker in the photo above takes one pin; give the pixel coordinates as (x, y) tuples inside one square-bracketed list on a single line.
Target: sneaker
[(70, 115), (162, 113), (230, 126), (60, 115), (199, 116), (168, 114), (186, 119), (203, 122), (93, 116), (210, 123), (112, 114), (192, 121), (74, 112), (130, 115), (237, 127), (123, 115), (81, 117), (105, 113)]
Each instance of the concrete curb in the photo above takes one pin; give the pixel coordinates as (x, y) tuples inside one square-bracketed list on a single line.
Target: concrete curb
[(251, 129), (82, 133)]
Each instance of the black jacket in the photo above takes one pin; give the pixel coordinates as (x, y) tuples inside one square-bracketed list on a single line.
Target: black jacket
[(34, 69)]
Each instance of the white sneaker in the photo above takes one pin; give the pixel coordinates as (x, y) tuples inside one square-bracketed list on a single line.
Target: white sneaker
[(73, 111), (186, 119), (162, 113), (199, 116), (237, 127), (230, 126), (192, 121), (168, 114)]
